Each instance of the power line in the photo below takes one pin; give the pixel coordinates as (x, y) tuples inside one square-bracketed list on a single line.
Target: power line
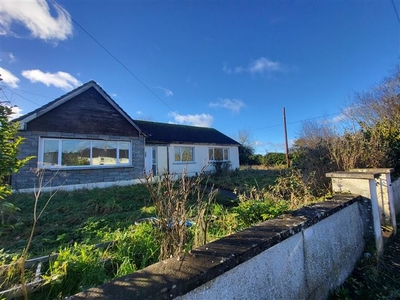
[(113, 56), (299, 121), (28, 92), (398, 21), (395, 11), (12, 91)]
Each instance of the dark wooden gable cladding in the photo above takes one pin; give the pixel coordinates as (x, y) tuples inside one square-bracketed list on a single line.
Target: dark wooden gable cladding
[(87, 113)]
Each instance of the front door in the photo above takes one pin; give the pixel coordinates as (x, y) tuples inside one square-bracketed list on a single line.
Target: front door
[(151, 160)]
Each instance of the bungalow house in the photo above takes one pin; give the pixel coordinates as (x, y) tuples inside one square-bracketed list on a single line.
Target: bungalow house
[(84, 139)]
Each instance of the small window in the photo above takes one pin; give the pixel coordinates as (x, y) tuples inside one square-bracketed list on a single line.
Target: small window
[(75, 153), (218, 154), (124, 150), (50, 152), (104, 153), (184, 154)]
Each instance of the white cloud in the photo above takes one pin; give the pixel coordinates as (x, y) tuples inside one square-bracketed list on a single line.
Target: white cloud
[(263, 64), (260, 66), (226, 69), (263, 147), (9, 78), (167, 92), (35, 15), (343, 116), (12, 58), (201, 120), (339, 118), (16, 112), (233, 105), (60, 79)]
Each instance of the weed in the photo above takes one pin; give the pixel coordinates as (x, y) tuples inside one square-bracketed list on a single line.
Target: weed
[(257, 205), (294, 187), (171, 197)]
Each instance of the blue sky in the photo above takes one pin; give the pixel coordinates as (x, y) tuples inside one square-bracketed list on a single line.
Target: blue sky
[(230, 65)]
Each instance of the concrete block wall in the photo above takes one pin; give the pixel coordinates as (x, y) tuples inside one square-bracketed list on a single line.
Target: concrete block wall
[(303, 255), (69, 179)]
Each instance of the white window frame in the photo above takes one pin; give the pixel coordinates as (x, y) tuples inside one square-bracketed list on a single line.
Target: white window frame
[(42, 165), (223, 151), (180, 154)]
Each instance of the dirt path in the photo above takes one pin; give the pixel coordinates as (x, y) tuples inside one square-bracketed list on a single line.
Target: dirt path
[(390, 261)]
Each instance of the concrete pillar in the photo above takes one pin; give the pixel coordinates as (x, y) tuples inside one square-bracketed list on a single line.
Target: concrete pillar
[(385, 195), (364, 184)]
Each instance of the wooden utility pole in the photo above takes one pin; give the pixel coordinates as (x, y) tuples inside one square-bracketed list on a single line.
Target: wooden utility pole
[(286, 141)]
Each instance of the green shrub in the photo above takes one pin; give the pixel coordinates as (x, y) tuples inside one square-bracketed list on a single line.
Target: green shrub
[(257, 205), (274, 159), (253, 211)]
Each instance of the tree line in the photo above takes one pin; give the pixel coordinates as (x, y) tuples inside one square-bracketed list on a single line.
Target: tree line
[(365, 135)]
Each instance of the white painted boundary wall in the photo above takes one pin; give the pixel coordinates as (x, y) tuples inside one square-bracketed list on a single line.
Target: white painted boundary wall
[(305, 266), (396, 195), (304, 255)]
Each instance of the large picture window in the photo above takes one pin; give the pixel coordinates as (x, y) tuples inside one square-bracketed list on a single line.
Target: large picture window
[(218, 154), (184, 154), (78, 153)]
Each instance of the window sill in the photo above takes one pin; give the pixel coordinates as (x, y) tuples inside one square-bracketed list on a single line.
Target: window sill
[(77, 168)]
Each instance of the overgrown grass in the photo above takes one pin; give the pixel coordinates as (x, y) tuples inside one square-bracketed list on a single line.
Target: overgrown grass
[(78, 216), (242, 180), (94, 233)]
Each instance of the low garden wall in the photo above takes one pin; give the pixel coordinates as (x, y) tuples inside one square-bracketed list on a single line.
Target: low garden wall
[(302, 255), (396, 195)]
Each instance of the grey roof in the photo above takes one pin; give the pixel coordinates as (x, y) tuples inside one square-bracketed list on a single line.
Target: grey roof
[(171, 133)]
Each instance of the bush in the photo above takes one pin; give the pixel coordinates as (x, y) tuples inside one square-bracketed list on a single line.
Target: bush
[(296, 188), (257, 205), (274, 159), (222, 167)]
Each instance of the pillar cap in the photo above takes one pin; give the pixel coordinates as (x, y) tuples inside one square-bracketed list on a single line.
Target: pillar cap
[(353, 175), (373, 170)]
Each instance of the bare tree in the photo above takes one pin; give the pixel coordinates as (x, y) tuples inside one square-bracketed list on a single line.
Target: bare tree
[(377, 116), (246, 149), (368, 136), (245, 137)]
